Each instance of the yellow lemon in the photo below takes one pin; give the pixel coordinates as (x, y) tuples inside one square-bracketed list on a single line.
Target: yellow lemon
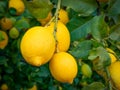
[(63, 67), (63, 16), (37, 46), (111, 54), (6, 23), (45, 20), (4, 87), (33, 88), (18, 5), (62, 36), (3, 39), (114, 70)]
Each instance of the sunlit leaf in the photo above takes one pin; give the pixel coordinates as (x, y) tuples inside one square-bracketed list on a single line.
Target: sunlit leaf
[(39, 8), (101, 58), (94, 86)]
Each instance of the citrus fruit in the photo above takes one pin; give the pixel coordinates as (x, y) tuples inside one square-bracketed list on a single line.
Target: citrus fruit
[(45, 20), (6, 23), (86, 70), (63, 67), (37, 46), (111, 54), (63, 16), (13, 33), (18, 5), (114, 70), (3, 39), (62, 36), (4, 87)]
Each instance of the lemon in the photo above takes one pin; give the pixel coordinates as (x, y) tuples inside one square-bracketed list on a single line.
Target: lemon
[(33, 88), (86, 70), (45, 20), (37, 46), (63, 16), (111, 54), (6, 23), (4, 87), (3, 39), (18, 5), (63, 67), (13, 33), (114, 70), (62, 36)]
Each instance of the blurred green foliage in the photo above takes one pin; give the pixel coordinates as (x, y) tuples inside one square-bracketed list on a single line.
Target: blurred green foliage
[(93, 26)]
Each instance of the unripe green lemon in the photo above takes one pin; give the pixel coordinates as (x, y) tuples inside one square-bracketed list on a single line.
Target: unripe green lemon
[(13, 33)]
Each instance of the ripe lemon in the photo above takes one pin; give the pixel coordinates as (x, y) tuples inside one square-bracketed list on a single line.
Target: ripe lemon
[(6, 23), (3, 39), (111, 54), (4, 87), (45, 20), (63, 16), (114, 70), (62, 36), (37, 46), (63, 67), (18, 5)]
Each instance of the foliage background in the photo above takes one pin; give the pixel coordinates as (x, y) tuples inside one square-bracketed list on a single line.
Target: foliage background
[(93, 26)]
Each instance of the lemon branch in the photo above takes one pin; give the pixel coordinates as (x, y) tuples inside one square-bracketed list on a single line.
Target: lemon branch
[(109, 79), (56, 21)]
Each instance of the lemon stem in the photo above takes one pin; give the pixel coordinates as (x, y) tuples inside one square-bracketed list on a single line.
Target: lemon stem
[(56, 21), (109, 79)]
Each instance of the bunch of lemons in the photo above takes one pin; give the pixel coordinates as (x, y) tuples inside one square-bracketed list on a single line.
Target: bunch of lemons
[(43, 44), (6, 23)]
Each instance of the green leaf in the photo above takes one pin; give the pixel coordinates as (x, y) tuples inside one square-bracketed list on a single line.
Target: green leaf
[(94, 86), (84, 7), (39, 8), (82, 49), (115, 35), (3, 60), (96, 27), (76, 22), (101, 57), (22, 24), (114, 8)]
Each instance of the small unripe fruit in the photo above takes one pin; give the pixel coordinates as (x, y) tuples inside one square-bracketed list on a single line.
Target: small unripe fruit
[(13, 33)]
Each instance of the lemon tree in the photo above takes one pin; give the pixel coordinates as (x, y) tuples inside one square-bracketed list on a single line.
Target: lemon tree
[(59, 44)]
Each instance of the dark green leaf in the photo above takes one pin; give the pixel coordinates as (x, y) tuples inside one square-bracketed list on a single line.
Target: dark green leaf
[(3, 60), (94, 86), (82, 49), (39, 8), (96, 27), (114, 8), (84, 7)]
